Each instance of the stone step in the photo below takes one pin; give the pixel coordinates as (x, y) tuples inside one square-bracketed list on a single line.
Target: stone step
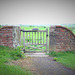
[(36, 54)]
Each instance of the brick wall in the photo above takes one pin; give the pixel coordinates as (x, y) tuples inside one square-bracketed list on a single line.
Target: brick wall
[(9, 36), (61, 39)]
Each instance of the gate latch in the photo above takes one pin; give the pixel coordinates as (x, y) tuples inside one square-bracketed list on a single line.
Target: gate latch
[(47, 35), (35, 29)]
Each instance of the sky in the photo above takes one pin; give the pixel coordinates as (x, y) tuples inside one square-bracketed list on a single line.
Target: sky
[(37, 12)]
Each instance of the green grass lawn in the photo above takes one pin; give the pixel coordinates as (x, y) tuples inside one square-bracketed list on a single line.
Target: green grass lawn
[(6, 55), (66, 58), (13, 70)]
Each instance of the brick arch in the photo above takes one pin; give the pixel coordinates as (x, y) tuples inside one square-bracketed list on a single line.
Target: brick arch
[(66, 29), (61, 39), (6, 27)]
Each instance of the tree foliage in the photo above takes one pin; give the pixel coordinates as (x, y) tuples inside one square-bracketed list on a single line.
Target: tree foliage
[(1, 26)]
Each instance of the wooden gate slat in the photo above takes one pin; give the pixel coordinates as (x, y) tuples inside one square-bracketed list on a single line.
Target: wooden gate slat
[(35, 37), (38, 37), (43, 37), (26, 37), (35, 44), (32, 37), (35, 47), (29, 37), (33, 30)]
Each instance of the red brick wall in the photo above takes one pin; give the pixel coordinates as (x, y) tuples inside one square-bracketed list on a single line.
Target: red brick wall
[(65, 39), (6, 38), (61, 39)]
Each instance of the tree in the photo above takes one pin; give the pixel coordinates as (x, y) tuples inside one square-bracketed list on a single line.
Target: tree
[(71, 29), (0, 26)]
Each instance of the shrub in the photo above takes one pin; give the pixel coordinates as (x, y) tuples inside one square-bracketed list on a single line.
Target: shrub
[(55, 59), (6, 52), (16, 54), (44, 27)]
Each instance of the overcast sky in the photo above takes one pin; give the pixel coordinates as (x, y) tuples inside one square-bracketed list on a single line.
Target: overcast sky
[(37, 12)]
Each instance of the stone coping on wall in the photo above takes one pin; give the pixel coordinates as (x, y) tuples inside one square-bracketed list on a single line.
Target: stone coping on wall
[(58, 26), (9, 27), (6, 27)]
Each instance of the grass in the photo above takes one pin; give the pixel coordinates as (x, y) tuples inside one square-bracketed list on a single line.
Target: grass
[(67, 58), (74, 31), (9, 53), (12, 70), (6, 55)]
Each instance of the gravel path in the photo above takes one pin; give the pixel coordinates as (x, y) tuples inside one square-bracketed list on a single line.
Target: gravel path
[(44, 66)]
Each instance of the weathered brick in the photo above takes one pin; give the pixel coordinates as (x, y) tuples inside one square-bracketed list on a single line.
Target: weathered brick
[(65, 39), (6, 35)]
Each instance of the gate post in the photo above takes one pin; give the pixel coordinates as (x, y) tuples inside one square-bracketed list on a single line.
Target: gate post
[(46, 40), (52, 38), (49, 38), (20, 36), (23, 39)]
